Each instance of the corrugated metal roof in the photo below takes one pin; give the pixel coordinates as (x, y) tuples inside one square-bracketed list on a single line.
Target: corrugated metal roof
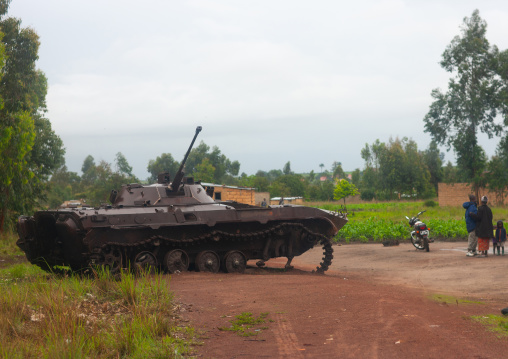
[(206, 184)]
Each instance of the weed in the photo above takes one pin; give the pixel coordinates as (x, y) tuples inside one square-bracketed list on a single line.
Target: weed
[(448, 299), (245, 322), (495, 323)]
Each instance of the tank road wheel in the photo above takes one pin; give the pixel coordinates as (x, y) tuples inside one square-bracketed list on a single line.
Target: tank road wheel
[(235, 262), (113, 260), (145, 262), (176, 261), (208, 261)]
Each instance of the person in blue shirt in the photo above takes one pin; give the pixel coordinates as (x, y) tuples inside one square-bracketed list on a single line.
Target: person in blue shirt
[(472, 239)]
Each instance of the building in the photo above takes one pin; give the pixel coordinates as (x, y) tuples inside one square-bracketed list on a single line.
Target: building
[(287, 200), (245, 195)]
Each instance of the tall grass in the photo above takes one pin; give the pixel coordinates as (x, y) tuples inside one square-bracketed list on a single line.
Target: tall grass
[(45, 316), (8, 245)]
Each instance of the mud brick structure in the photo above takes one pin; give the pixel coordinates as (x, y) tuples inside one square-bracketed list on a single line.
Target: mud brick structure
[(455, 194), (231, 193)]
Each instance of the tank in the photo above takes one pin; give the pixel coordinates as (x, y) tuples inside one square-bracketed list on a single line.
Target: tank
[(175, 226)]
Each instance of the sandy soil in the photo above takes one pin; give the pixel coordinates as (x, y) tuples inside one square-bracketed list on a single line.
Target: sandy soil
[(374, 302)]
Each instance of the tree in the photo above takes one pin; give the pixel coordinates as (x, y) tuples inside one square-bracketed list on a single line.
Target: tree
[(122, 165), (288, 185), (321, 165), (287, 168), (434, 161), (501, 68), (163, 163), (62, 187), (29, 149), (344, 189), (88, 170), (224, 167), (205, 171), (450, 173), (469, 106), (497, 175), (355, 177), (338, 171)]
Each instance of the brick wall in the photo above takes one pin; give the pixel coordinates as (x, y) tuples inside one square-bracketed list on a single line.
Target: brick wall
[(457, 193), (241, 195)]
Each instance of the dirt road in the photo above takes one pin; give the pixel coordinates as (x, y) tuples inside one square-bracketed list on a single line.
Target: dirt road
[(374, 302)]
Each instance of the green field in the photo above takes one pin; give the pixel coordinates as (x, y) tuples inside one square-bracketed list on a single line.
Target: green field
[(377, 222)]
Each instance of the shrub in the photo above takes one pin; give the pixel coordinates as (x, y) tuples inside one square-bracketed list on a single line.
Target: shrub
[(430, 203), (367, 195)]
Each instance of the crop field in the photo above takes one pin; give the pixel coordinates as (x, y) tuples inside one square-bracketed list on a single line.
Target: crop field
[(377, 222)]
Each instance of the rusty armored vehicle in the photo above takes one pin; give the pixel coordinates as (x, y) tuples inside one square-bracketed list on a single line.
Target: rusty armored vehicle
[(173, 226)]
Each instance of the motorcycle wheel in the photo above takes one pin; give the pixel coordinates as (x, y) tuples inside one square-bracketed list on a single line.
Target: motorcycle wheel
[(418, 243), (426, 243)]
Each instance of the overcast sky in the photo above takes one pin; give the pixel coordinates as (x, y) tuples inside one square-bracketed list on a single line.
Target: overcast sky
[(308, 82)]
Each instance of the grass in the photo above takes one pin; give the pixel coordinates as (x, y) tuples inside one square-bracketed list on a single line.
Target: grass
[(247, 325), (448, 299), (8, 245), (494, 323), (383, 221), (43, 315)]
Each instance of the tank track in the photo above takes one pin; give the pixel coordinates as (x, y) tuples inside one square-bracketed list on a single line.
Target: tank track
[(101, 255)]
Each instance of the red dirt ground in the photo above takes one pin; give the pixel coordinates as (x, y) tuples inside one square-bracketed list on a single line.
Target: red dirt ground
[(374, 302)]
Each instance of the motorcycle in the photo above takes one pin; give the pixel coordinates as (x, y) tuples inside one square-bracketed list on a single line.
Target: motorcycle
[(420, 235)]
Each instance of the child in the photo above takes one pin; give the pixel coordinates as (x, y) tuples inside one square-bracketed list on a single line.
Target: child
[(499, 238)]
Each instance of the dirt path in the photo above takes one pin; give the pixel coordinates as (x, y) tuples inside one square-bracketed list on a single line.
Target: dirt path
[(372, 303)]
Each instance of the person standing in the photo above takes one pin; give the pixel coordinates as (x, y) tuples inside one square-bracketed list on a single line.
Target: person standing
[(499, 238), (263, 204), (471, 225), (484, 229)]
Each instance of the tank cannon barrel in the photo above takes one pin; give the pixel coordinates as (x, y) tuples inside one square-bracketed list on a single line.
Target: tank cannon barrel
[(179, 175)]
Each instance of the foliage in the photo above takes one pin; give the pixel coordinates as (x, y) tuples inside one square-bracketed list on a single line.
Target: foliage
[(261, 183), (497, 176), (430, 203), (95, 184), (30, 150), (395, 169), (287, 168), (288, 186), (224, 167), (163, 163), (344, 189), (205, 171), (433, 159), (367, 195), (469, 106)]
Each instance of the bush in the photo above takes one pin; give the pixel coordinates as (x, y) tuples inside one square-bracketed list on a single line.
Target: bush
[(367, 195), (430, 203)]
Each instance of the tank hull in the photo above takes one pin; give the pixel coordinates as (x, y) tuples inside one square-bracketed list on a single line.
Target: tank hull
[(202, 235)]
